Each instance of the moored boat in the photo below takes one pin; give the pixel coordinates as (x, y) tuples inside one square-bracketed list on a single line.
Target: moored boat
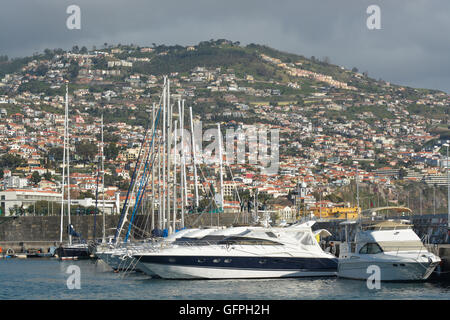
[(390, 246), (244, 252), (73, 251)]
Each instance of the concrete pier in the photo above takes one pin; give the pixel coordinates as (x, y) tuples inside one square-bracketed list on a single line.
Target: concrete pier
[(23, 246)]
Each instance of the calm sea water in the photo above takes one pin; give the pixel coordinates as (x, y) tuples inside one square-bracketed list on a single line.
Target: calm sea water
[(46, 279)]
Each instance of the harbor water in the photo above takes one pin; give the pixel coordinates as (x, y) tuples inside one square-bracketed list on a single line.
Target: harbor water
[(47, 279)]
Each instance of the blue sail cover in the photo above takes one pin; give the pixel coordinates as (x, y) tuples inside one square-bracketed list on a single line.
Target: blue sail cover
[(72, 232), (157, 233)]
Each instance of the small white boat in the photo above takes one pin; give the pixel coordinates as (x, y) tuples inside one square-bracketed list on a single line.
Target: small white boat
[(392, 246)]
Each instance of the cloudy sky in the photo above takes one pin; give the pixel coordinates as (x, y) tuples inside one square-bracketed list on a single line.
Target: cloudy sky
[(411, 48)]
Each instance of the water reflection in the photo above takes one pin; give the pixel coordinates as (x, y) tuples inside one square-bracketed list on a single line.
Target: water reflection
[(46, 279)]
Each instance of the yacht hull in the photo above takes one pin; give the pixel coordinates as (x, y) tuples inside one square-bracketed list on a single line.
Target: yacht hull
[(120, 262), (73, 252), (110, 259), (203, 267), (389, 270)]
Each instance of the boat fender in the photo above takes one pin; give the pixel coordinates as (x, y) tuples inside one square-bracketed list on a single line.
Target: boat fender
[(52, 250)]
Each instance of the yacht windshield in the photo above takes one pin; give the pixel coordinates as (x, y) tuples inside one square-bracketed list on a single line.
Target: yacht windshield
[(305, 238), (248, 241), (411, 245), (370, 248)]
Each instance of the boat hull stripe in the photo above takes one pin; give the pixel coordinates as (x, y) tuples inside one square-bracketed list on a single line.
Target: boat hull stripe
[(239, 262)]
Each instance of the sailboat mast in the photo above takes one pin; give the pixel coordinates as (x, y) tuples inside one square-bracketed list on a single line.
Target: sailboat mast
[(63, 168), (169, 143), (98, 169), (68, 166), (159, 187), (184, 161), (164, 158), (219, 136), (194, 159), (357, 191), (174, 177), (103, 187), (153, 175), (448, 196), (182, 167)]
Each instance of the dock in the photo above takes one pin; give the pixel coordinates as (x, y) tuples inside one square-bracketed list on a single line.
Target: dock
[(27, 249)]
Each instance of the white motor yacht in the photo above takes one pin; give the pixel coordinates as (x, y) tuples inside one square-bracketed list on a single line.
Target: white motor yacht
[(242, 252), (390, 245)]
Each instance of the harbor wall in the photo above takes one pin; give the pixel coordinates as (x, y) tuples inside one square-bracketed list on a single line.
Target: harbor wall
[(44, 231), (38, 228), (47, 228)]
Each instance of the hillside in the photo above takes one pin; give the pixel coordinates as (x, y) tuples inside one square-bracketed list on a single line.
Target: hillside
[(222, 80), (327, 116), (241, 60)]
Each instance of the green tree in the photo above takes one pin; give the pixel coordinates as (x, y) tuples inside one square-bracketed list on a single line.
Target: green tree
[(111, 151), (43, 208), (402, 173), (47, 176), (36, 177), (10, 161), (56, 153), (86, 151), (73, 70), (124, 184), (110, 180), (87, 194), (41, 70), (48, 53), (99, 63)]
